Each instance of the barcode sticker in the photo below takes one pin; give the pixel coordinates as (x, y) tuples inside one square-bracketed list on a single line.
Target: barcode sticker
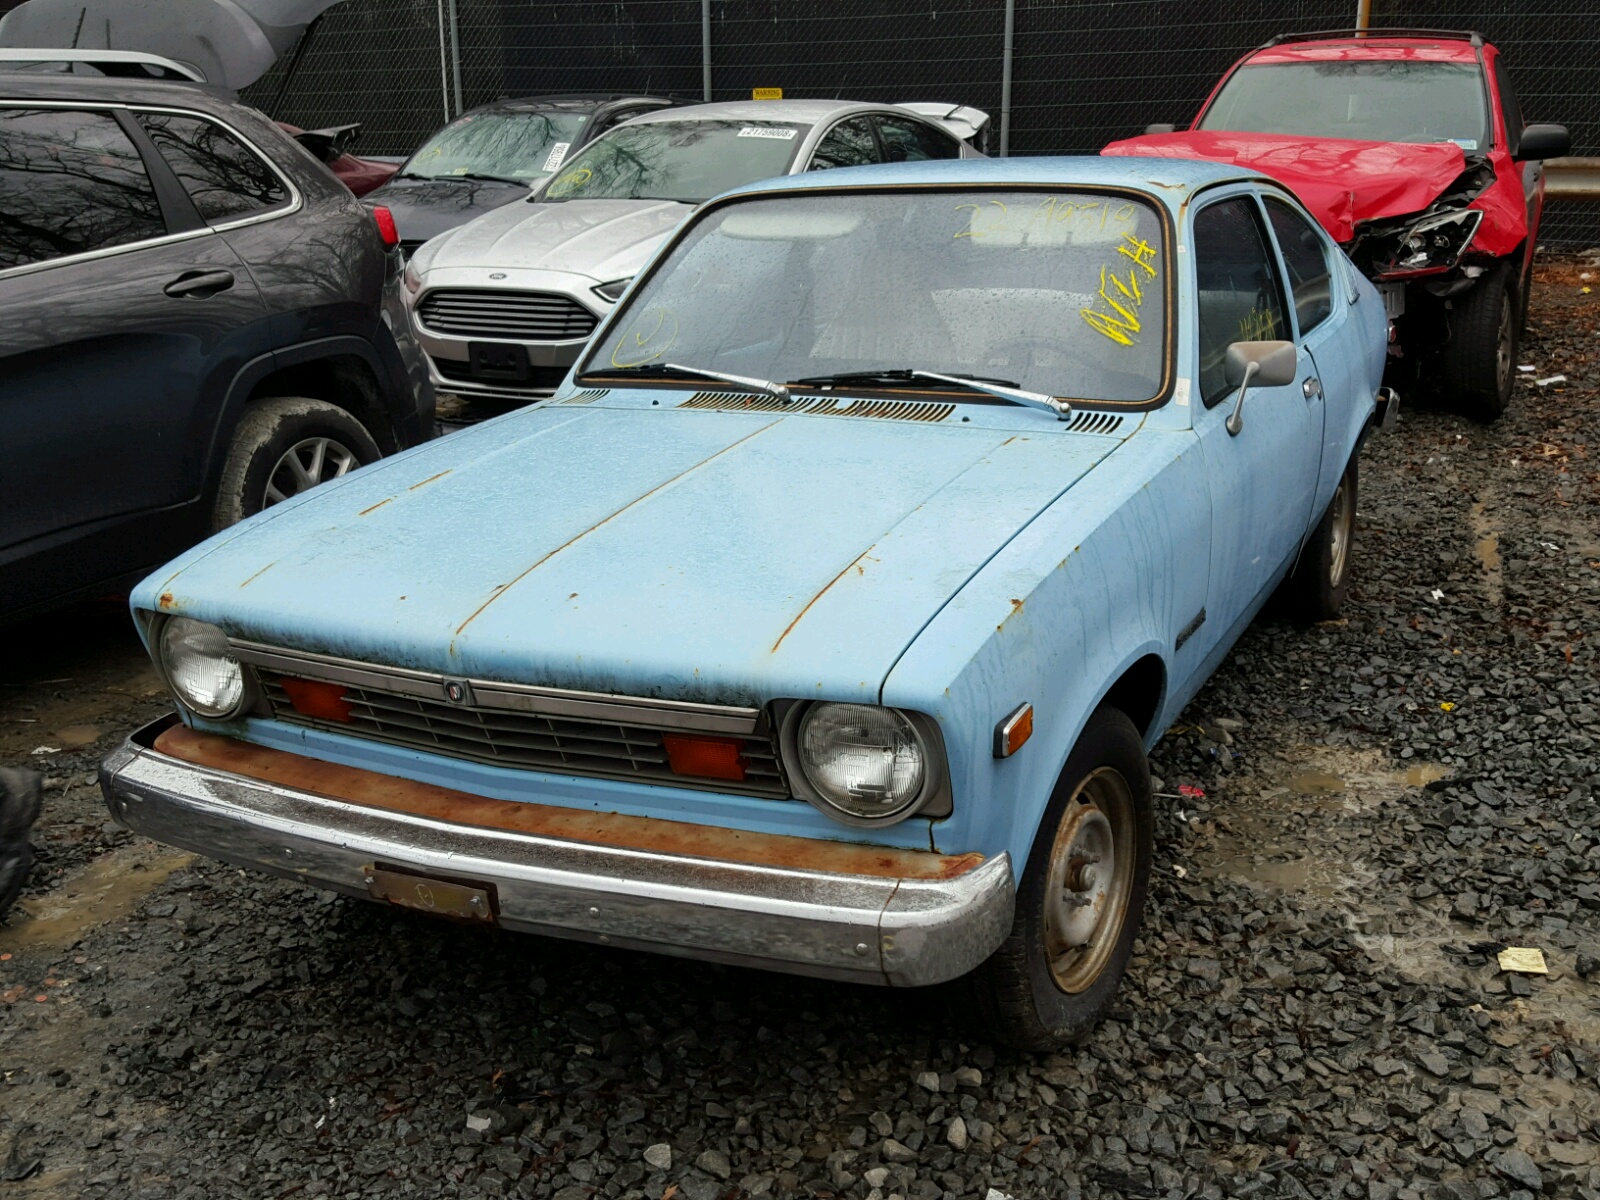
[(767, 131), (558, 154)]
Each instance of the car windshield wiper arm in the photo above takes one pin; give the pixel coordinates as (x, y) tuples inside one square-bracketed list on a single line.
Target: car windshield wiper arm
[(666, 370), (490, 178), (1003, 388)]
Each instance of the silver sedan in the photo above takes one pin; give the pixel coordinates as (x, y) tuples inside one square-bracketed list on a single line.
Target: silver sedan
[(504, 303)]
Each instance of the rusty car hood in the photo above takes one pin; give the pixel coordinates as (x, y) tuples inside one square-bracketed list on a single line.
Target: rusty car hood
[(731, 557), (1342, 182)]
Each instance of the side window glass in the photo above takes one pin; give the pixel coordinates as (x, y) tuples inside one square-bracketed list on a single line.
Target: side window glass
[(905, 140), (1240, 296), (848, 144), (1305, 256), (70, 182), (224, 177), (1508, 104)]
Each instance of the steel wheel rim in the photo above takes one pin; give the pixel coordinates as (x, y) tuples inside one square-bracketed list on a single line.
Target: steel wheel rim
[(1091, 880), (1502, 349), (1343, 532), (306, 464)]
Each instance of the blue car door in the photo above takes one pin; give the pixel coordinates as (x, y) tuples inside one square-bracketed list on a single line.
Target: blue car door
[(1263, 479)]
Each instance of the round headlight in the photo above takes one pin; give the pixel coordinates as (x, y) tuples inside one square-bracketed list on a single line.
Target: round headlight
[(200, 667), (865, 761)]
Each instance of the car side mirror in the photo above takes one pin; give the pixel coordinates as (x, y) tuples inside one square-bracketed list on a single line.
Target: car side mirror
[(1263, 364), (1544, 141), (1161, 127)]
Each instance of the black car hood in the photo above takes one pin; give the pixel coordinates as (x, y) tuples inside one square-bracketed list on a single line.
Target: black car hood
[(425, 208)]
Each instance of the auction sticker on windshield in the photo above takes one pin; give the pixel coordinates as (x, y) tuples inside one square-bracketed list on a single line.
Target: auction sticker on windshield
[(558, 154), (783, 135)]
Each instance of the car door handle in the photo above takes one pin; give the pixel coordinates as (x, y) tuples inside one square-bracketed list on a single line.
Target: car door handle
[(1312, 388), (200, 284)]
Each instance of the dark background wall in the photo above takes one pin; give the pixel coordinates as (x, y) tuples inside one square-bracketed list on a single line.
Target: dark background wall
[(1085, 71)]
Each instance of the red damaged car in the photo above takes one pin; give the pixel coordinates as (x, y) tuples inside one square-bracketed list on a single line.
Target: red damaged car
[(1410, 148)]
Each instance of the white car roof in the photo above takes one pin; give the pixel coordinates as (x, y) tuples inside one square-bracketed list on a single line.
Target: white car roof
[(798, 112)]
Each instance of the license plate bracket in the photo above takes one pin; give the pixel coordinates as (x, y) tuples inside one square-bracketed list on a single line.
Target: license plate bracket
[(457, 899), (497, 360)]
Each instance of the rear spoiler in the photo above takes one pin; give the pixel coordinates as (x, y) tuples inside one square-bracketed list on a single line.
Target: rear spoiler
[(969, 124)]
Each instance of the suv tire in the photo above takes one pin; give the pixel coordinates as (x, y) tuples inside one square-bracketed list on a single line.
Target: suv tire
[(1480, 359), (1038, 992), (284, 446)]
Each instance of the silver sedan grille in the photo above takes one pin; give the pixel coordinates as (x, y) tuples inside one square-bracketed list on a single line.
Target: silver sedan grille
[(508, 316)]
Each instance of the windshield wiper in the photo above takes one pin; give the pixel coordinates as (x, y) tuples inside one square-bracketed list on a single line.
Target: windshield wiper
[(668, 370), (1003, 388), (489, 178)]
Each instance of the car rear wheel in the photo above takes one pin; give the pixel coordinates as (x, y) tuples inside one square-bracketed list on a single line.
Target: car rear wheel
[(1316, 589), (20, 799), (1480, 359), (284, 446), (1081, 898)]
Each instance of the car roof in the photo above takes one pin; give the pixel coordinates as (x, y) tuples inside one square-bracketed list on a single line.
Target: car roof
[(1412, 48), (799, 112), (1173, 180), (103, 89)]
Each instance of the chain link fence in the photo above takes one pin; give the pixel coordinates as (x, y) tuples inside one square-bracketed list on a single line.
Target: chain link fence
[(1083, 73)]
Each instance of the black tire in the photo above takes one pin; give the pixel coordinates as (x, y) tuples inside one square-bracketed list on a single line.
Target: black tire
[(1316, 588), (1480, 359), (260, 470), (21, 797), (1018, 994)]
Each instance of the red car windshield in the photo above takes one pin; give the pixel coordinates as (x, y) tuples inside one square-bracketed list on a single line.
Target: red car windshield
[(1373, 101)]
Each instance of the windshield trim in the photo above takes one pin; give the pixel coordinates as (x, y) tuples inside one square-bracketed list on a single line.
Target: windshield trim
[(586, 376), (1491, 140), (802, 138)]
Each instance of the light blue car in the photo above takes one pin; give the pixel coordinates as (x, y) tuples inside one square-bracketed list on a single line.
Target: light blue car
[(822, 620)]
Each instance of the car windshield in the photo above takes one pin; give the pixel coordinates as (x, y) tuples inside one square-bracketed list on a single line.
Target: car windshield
[(504, 145), (687, 161), (1057, 292), (1366, 101)]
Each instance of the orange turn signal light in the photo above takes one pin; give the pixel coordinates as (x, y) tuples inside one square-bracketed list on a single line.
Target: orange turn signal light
[(1013, 731), (707, 758), (316, 698)]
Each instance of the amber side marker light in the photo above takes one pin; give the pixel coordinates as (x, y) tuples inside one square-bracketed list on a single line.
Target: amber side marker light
[(1013, 731), (706, 758), (316, 698)]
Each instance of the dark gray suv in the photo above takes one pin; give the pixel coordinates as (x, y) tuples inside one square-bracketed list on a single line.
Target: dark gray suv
[(197, 320)]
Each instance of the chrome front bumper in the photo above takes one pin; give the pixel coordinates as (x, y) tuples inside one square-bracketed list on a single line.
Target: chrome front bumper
[(865, 928)]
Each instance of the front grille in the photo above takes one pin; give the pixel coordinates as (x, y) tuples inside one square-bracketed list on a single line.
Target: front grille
[(540, 379), (525, 741), (510, 316)]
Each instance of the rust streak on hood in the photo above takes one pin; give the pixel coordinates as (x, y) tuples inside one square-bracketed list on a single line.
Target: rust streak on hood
[(370, 789)]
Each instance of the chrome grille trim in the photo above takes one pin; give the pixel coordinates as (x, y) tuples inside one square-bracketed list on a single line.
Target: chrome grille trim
[(508, 316), (520, 727)]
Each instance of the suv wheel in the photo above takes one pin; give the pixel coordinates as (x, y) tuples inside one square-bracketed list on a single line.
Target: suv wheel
[(1480, 360), (282, 447)]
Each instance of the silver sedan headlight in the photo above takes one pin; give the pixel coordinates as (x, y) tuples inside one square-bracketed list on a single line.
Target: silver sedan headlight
[(862, 763), (200, 667)]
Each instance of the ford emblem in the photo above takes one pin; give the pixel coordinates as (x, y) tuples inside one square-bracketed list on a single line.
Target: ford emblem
[(498, 275)]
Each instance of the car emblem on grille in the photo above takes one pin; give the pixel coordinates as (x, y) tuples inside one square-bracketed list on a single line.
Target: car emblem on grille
[(498, 275), (457, 691)]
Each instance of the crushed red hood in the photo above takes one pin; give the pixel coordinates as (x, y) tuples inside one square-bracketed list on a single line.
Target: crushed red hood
[(1342, 182)]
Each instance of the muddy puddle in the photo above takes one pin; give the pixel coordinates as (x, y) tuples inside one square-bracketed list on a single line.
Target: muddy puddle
[(106, 890), (1486, 545)]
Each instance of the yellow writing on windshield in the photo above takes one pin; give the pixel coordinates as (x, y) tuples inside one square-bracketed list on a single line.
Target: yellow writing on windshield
[(1115, 310), (575, 178), (1259, 325), (649, 337)]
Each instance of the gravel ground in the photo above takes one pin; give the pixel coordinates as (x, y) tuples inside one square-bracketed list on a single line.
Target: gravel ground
[(1355, 820)]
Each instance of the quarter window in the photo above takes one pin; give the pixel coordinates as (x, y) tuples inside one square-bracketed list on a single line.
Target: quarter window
[(848, 144), (905, 140), (1241, 299), (70, 182), (223, 177), (1305, 255)]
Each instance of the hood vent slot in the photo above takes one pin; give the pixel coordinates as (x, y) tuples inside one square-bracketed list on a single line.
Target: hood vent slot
[(827, 406), (587, 397), (1095, 422)]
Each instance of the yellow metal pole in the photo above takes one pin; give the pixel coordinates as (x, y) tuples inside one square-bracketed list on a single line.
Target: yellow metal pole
[(1364, 14)]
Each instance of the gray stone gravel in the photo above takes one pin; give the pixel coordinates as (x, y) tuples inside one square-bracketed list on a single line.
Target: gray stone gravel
[(1355, 819)]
